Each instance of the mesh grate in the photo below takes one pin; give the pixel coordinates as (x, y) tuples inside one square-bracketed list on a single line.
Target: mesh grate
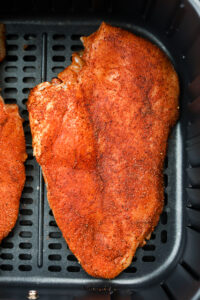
[(36, 246)]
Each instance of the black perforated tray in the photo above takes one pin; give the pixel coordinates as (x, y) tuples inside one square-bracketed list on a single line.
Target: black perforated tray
[(35, 253)]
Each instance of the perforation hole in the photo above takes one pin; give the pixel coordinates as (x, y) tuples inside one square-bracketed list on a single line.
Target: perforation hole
[(11, 79), (163, 236), (165, 180), (57, 69), (149, 247), (29, 167), (25, 268), (26, 223), (149, 258), (26, 201), (12, 37), (55, 257), (58, 58), (25, 245), (130, 270), (28, 189), (24, 101), (29, 178), (7, 245), (134, 259), (28, 79), (55, 235), (25, 256), (26, 90), (10, 101), (25, 234), (58, 47), (29, 69), (29, 47), (53, 224), (71, 258), (11, 69), (73, 269), (6, 256), (54, 268), (11, 47), (11, 58), (26, 212), (77, 48), (76, 37), (153, 236), (163, 218), (10, 91), (165, 199), (29, 58), (29, 37), (56, 246), (58, 37), (6, 267), (50, 213)]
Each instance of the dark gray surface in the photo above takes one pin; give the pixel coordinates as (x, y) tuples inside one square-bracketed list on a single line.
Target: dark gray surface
[(38, 46)]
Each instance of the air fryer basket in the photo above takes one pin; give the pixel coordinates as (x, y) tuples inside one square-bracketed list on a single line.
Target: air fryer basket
[(40, 42)]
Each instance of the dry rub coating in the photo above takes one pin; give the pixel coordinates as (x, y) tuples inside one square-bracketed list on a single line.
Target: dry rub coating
[(12, 171), (100, 134)]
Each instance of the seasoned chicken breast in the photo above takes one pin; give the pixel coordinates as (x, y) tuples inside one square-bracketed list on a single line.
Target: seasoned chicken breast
[(100, 135), (12, 171)]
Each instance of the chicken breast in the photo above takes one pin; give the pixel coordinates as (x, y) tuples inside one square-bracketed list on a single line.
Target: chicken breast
[(2, 42), (100, 135), (12, 171)]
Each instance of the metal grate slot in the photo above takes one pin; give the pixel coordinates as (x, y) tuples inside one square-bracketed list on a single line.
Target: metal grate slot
[(54, 268), (25, 268), (25, 256), (10, 58), (11, 79), (55, 257), (76, 37), (29, 37), (57, 69), (25, 245), (148, 258), (55, 235), (26, 223), (6, 267), (6, 256), (6, 245), (163, 218), (72, 258), (164, 236), (53, 223), (73, 269), (26, 200), (26, 234), (12, 37), (55, 246), (77, 48), (130, 270)]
